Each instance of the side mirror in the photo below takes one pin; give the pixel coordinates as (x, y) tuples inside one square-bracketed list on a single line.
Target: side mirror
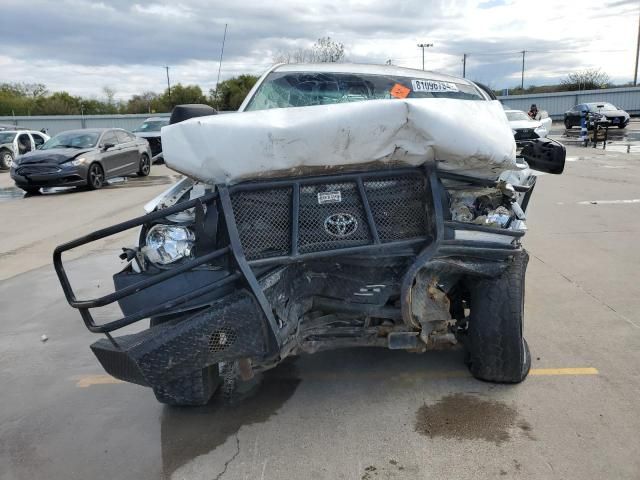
[(545, 155), (107, 146)]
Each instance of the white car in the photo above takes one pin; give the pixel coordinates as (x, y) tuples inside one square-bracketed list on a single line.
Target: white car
[(14, 143), (526, 128)]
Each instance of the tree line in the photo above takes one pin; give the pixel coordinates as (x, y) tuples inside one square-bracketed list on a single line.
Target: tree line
[(35, 99)]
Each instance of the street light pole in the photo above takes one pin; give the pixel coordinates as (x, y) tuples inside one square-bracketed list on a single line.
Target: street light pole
[(464, 65), (423, 46)]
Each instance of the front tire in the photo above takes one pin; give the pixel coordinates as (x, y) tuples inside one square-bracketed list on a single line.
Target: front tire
[(497, 349), (6, 160), (145, 165), (31, 190), (194, 389), (95, 177)]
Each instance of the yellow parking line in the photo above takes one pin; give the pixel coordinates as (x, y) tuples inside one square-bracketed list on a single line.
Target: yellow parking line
[(85, 381), (563, 371)]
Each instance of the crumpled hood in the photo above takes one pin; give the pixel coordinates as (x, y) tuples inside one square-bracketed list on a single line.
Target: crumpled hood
[(613, 113), (533, 124), (466, 136), (55, 155)]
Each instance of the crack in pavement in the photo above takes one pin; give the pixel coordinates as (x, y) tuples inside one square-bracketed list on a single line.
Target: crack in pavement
[(601, 302), (228, 462)]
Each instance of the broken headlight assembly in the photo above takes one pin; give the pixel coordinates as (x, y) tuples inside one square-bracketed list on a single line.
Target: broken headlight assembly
[(165, 244)]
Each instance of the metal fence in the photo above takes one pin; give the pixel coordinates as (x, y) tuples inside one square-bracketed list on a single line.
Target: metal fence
[(59, 123), (556, 104), (627, 98)]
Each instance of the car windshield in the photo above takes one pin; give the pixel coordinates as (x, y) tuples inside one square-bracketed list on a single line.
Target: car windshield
[(515, 116), (602, 107), (152, 126), (7, 137), (303, 89), (72, 140)]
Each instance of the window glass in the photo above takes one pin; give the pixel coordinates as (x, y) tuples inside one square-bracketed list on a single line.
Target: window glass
[(303, 89), (37, 139), (72, 139), (124, 137), (110, 137)]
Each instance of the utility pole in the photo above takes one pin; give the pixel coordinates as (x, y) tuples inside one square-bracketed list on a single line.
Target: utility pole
[(423, 46), (464, 65), (635, 75), (522, 79), (166, 67)]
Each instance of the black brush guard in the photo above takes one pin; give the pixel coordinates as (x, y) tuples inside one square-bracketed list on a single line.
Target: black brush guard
[(149, 357)]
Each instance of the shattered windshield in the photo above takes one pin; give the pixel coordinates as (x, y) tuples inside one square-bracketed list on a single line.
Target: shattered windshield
[(303, 89)]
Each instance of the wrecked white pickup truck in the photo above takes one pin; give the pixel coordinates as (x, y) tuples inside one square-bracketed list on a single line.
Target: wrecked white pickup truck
[(343, 206)]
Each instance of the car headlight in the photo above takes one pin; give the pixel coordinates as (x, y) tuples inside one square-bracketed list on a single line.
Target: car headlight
[(75, 163), (166, 244)]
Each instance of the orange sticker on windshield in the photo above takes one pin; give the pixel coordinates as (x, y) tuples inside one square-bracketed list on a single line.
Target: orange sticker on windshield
[(400, 91)]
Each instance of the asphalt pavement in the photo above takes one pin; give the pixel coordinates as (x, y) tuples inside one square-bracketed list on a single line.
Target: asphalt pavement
[(349, 414)]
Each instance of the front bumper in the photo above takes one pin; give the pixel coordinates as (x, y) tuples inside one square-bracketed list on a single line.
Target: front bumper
[(237, 308), (48, 175)]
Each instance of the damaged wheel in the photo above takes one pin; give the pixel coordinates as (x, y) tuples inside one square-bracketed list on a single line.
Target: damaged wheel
[(497, 349), (194, 389)]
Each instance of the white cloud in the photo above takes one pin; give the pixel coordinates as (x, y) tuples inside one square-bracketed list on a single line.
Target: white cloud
[(80, 46)]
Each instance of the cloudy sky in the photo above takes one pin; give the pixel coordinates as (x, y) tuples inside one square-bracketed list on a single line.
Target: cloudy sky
[(83, 45)]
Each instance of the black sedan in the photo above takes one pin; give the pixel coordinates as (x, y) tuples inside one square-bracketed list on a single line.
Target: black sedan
[(82, 158), (617, 117)]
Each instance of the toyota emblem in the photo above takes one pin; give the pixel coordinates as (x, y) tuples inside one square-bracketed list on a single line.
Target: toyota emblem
[(341, 225)]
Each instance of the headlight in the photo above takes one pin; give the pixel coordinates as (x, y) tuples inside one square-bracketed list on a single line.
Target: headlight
[(168, 243), (75, 163)]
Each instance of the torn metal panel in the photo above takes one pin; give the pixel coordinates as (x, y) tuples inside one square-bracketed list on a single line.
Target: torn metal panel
[(466, 136)]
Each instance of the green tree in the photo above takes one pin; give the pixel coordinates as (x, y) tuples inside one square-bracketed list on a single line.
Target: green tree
[(232, 92), (146, 102), (58, 103), (180, 95)]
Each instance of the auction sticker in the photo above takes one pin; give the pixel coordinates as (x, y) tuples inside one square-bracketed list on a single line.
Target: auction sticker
[(433, 86), (400, 91)]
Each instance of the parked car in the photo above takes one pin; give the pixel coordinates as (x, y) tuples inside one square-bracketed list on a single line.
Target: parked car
[(367, 216), (617, 117), (150, 131), (524, 127), (18, 142), (82, 158)]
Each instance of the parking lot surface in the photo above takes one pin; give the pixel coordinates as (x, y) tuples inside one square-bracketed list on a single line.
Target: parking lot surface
[(349, 414)]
